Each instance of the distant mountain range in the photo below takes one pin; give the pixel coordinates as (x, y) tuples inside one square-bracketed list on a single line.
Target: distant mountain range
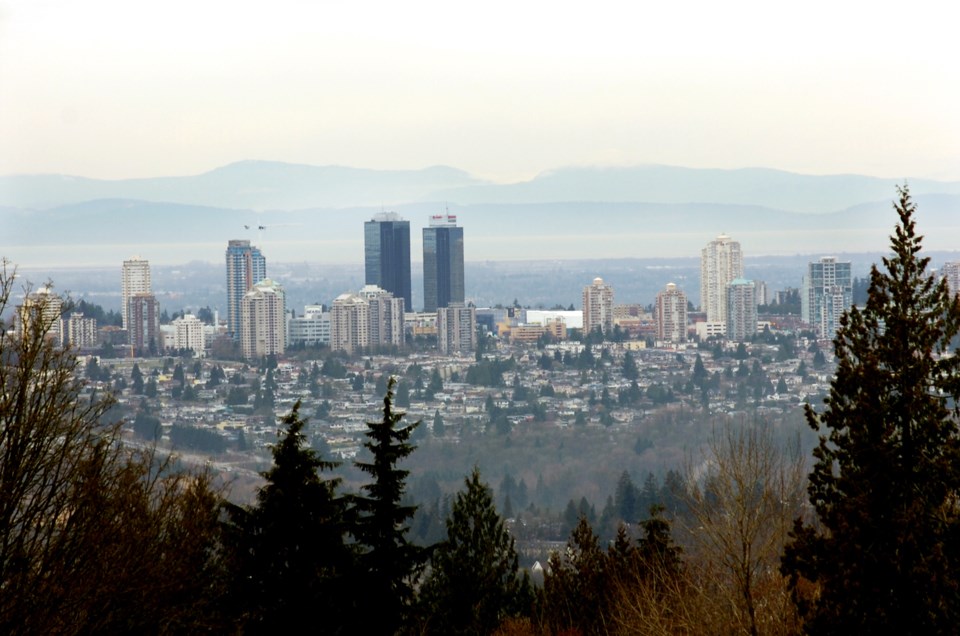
[(315, 213)]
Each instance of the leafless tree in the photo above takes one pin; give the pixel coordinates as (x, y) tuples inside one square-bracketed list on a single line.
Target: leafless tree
[(94, 536), (743, 493)]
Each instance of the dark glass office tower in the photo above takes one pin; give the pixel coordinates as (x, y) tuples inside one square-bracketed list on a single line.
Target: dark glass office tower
[(386, 242), (442, 263)]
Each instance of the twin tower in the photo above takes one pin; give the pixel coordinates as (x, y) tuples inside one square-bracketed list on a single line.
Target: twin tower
[(386, 240)]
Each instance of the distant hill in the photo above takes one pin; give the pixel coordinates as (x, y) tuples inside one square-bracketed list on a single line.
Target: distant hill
[(260, 185), (668, 184), (109, 230), (264, 185)]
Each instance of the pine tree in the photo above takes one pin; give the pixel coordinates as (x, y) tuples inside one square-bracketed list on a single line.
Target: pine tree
[(886, 484), (475, 582), (291, 560), (388, 562)]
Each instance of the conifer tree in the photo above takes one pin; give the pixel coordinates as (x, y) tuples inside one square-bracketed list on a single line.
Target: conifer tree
[(475, 582), (388, 562), (885, 555), (291, 560)]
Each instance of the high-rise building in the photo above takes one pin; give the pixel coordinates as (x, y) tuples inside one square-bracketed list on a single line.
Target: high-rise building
[(263, 321), (80, 332), (442, 263), (41, 310), (951, 271), (143, 326), (597, 307), (671, 314), (456, 328), (386, 242), (827, 293), (741, 314), (246, 267), (349, 323), (385, 313), (310, 329), (188, 334), (720, 263), (135, 279)]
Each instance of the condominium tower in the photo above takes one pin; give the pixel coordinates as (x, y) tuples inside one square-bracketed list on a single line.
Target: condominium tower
[(386, 243), (246, 267), (442, 263), (263, 321), (598, 307), (135, 279), (827, 293), (671, 314), (720, 263), (741, 314)]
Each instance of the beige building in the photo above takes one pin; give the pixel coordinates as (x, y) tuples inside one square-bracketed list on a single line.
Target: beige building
[(135, 279), (371, 318), (80, 332), (671, 314), (721, 262), (597, 307), (263, 321), (41, 310)]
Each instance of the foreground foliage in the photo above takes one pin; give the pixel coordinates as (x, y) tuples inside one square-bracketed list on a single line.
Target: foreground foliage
[(95, 537), (884, 554)]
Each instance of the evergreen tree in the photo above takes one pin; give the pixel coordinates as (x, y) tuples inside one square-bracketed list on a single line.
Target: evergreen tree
[(886, 481), (388, 563), (290, 557), (474, 582)]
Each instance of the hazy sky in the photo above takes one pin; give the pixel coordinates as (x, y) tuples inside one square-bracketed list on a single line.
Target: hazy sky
[(126, 88)]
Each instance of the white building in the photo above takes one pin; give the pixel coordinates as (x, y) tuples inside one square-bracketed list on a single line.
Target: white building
[(80, 332), (41, 310), (597, 307), (671, 314), (134, 279), (263, 321), (951, 271), (456, 329), (572, 319), (311, 329), (720, 263), (189, 334)]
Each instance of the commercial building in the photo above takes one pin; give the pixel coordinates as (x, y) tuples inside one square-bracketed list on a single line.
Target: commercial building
[(310, 329), (246, 267), (597, 307), (456, 329), (671, 314), (442, 263), (741, 309), (143, 326), (134, 279), (720, 263), (263, 321), (827, 292), (386, 242)]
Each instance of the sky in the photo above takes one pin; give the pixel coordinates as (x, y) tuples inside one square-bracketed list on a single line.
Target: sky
[(504, 90)]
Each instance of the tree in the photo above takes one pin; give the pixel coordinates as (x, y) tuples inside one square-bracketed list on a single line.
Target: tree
[(95, 536), (474, 582), (741, 508), (290, 557), (388, 562), (886, 482)]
